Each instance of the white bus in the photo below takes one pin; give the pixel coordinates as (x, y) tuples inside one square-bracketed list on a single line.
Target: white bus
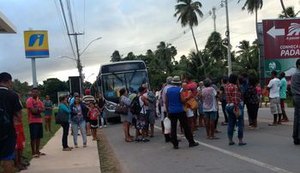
[(117, 75)]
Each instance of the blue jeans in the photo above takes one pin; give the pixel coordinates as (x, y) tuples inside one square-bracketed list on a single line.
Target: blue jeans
[(234, 121), (82, 126)]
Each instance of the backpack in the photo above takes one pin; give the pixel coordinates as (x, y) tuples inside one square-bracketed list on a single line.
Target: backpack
[(5, 124), (151, 97), (135, 107)]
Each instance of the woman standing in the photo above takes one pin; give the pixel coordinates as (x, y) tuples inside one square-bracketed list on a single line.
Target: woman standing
[(78, 120), (209, 108), (234, 109), (252, 102), (126, 119), (64, 108), (48, 113)]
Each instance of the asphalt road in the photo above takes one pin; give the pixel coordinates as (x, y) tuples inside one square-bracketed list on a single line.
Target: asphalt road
[(268, 149)]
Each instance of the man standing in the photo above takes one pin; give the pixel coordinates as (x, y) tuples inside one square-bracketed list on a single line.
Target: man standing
[(34, 108), (10, 107), (176, 112), (295, 87), (283, 88), (274, 87)]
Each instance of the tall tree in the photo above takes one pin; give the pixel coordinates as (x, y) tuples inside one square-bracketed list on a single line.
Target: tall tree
[(253, 6), (247, 58), (52, 86), (187, 12), (283, 9), (165, 54), (288, 13), (115, 57)]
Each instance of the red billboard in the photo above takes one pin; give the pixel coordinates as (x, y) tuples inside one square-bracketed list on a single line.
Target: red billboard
[(281, 38)]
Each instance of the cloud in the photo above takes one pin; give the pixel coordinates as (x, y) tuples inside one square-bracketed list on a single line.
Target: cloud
[(124, 25)]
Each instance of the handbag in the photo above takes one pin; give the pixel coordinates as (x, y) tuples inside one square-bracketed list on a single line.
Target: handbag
[(192, 103), (121, 109), (61, 117)]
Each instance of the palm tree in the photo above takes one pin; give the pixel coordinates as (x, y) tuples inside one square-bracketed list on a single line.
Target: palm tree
[(288, 13), (283, 9), (253, 6), (187, 12)]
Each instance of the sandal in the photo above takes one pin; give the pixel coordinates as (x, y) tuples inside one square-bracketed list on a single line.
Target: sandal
[(42, 154), (35, 156), (129, 140)]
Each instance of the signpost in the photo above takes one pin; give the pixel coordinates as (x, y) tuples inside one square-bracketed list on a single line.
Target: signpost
[(36, 46), (281, 45)]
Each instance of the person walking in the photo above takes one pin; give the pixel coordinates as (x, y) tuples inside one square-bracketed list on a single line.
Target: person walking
[(65, 110), (283, 89), (48, 113), (163, 106), (174, 105), (251, 99), (274, 87), (295, 88), (209, 108), (234, 108), (9, 108), (34, 108), (78, 120)]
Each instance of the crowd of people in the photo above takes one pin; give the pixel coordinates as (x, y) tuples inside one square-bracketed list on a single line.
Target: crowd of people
[(77, 112), (197, 105), (193, 104)]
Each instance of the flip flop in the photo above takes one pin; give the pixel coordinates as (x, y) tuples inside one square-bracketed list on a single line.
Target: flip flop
[(35, 156), (42, 154)]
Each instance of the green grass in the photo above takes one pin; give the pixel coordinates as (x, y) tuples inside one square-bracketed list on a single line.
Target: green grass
[(46, 136)]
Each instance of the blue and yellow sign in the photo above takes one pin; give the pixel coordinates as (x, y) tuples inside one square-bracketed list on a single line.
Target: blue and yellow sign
[(36, 44)]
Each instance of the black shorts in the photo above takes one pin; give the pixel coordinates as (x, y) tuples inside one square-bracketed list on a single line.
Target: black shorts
[(36, 131), (94, 124)]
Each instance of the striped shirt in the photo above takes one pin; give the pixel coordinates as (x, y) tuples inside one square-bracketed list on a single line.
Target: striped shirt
[(87, 99)]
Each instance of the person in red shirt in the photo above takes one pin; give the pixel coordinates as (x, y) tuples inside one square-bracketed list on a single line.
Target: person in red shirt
[(34, 109), (93, 115)]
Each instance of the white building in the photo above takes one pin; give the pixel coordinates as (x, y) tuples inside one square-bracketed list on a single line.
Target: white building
[(5, 25)]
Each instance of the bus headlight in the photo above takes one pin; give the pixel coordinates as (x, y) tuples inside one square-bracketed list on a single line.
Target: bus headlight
[(110, 106)]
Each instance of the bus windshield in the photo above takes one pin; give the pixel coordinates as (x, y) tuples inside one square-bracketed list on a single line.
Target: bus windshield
[(112, 83)]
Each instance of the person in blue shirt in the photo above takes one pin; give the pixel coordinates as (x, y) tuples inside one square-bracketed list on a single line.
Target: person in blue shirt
[(175, 110), (63, 107)]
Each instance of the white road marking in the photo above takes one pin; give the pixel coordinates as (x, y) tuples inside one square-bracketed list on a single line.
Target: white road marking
[(244, 158)]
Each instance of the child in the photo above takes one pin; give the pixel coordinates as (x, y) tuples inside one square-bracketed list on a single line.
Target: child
[(93, 116)]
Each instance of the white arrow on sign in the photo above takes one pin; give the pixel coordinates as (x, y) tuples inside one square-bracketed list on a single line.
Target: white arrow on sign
[(276, 32)]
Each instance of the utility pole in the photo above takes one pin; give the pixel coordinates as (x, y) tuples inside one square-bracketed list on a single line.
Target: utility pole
[(214, 18), (228, 39), (78, 61)]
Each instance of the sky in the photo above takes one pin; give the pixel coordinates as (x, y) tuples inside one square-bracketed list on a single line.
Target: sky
[(123, 25)]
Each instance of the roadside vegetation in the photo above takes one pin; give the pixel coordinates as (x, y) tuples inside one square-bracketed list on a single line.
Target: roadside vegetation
[(108, 162)]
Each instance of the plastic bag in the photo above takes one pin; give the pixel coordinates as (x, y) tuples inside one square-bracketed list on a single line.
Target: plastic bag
[(167, 124)]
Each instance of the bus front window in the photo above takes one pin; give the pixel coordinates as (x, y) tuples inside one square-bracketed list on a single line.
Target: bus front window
[(112, 85)]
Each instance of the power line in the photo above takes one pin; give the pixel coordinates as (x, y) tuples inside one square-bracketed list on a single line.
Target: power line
[(67, 28)]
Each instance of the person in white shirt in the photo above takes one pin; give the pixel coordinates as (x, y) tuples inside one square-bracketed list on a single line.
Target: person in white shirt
[(274, 87)]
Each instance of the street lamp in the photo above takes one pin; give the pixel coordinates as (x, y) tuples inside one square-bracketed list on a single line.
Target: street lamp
[(90, 44), (79, 65)]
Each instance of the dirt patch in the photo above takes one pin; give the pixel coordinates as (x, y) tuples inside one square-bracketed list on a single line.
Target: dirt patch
[(108, 161)]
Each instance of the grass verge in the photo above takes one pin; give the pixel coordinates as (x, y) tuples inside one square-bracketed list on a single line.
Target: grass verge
[(108, 162)]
